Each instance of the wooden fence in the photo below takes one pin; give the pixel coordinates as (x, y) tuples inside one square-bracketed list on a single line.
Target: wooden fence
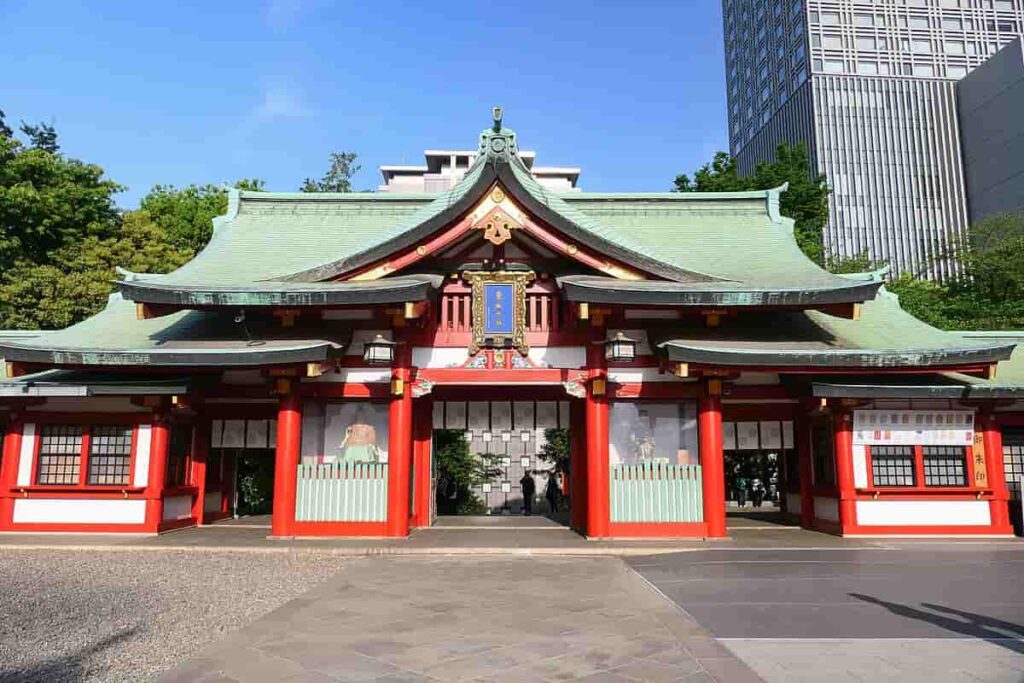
[(342, 492), (656, 492)]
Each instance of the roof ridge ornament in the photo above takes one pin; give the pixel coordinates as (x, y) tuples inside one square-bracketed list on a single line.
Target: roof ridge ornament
[(497, 143)]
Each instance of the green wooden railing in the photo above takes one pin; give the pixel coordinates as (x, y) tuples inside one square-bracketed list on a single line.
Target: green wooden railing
[(342, 492), (656, 492)]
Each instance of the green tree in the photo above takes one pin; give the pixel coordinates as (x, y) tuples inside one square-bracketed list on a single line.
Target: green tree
[(989, 295), (186, 214), (556, 449), (61, 235), (78, 278), (805, 200), (48, 201), (338, 177)]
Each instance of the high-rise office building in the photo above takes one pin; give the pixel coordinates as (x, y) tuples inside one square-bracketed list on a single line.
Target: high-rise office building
[(870, 87)]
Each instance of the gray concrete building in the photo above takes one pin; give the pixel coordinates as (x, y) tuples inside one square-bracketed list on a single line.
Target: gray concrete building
[(990, 101), (871, 87), (445, 168)]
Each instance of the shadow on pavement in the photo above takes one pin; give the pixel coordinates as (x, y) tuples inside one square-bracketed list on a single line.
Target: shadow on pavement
[(74, 666), (969, 624)]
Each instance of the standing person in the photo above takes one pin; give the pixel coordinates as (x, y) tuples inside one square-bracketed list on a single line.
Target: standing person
[(757, 495), (741, 490), (552, 492), (529, 487)]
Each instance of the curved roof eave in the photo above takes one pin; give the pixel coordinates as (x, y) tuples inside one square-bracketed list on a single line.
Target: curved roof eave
[(838, 358), (450, 207), (284, 294), (239, 355), (602, 290)]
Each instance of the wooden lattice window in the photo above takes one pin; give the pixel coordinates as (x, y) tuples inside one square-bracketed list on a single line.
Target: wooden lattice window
[(944, 465), (893, 466), (110, 455), (60, 455)]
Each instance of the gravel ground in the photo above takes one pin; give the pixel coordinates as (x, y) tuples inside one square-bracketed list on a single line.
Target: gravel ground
[(121, 616)]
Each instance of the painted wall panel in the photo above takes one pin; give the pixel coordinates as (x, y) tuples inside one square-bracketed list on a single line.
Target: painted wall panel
[(213, 501), (143, 440), (26, 458), (923, 512), (79, 511), (860, 467), (826, 508), (177, 507)]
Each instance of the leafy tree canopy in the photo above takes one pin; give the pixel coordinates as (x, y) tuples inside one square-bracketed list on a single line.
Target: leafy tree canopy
[(76, 280), (805, 201), (48, 201), (990, 293), (186, 214), (338, 177)]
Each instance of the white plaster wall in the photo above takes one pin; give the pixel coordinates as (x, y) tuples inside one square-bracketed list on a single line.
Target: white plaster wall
[(641, 375), (793, 503), (923, 512), (143, 441), (177, 507), (213, 501), (571, 357), (79, 511), (354, 375), (444, 357), (26, 458), (826, 508), (860, 466)]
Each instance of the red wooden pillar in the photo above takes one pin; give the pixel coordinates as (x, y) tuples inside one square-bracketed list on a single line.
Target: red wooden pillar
[(598, 505), (842, 434), (712, 459), (577, 466), (159, 446), (200, 451), (9, 471), (399, 444), (999, 505), (802, 427), (286, 463), (423, 435)]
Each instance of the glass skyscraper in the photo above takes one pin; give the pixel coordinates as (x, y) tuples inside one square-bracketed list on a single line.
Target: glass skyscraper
[(870, 87)]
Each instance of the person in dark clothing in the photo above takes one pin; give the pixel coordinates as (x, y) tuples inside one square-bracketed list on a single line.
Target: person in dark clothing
[(553, 492), (529, 487), (741, 490)]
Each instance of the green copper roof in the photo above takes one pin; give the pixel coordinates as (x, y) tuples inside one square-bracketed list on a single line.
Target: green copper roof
[(114, 336), (731, 237), (885, 336)]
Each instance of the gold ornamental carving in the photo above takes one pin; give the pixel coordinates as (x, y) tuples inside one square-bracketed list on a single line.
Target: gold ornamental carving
[(497, 226)]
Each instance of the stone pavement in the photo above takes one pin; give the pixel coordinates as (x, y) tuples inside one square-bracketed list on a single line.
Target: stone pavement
[(483, 619), (913, 610)]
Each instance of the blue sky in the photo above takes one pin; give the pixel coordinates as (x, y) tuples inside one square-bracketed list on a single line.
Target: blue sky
[(183, 92)]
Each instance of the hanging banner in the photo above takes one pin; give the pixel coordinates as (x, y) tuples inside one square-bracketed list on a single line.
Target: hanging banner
[(913, 427), (978, 457)]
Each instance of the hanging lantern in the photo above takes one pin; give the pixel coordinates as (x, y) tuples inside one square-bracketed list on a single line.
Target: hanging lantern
[(379, 351), (620, 349)]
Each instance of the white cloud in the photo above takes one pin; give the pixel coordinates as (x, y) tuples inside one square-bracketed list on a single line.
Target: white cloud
[(280, 102)]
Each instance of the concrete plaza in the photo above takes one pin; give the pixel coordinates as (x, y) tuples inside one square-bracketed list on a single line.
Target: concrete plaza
[(512, 599)]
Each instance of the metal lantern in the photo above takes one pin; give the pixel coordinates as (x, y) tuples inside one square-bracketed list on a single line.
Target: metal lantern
[(620, 348), (379, 351)]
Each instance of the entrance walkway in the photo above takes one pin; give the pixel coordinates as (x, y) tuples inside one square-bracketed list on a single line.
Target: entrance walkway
[(482, 619)]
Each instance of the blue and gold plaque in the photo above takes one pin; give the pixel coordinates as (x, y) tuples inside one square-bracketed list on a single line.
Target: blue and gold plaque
[(499, 308)]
